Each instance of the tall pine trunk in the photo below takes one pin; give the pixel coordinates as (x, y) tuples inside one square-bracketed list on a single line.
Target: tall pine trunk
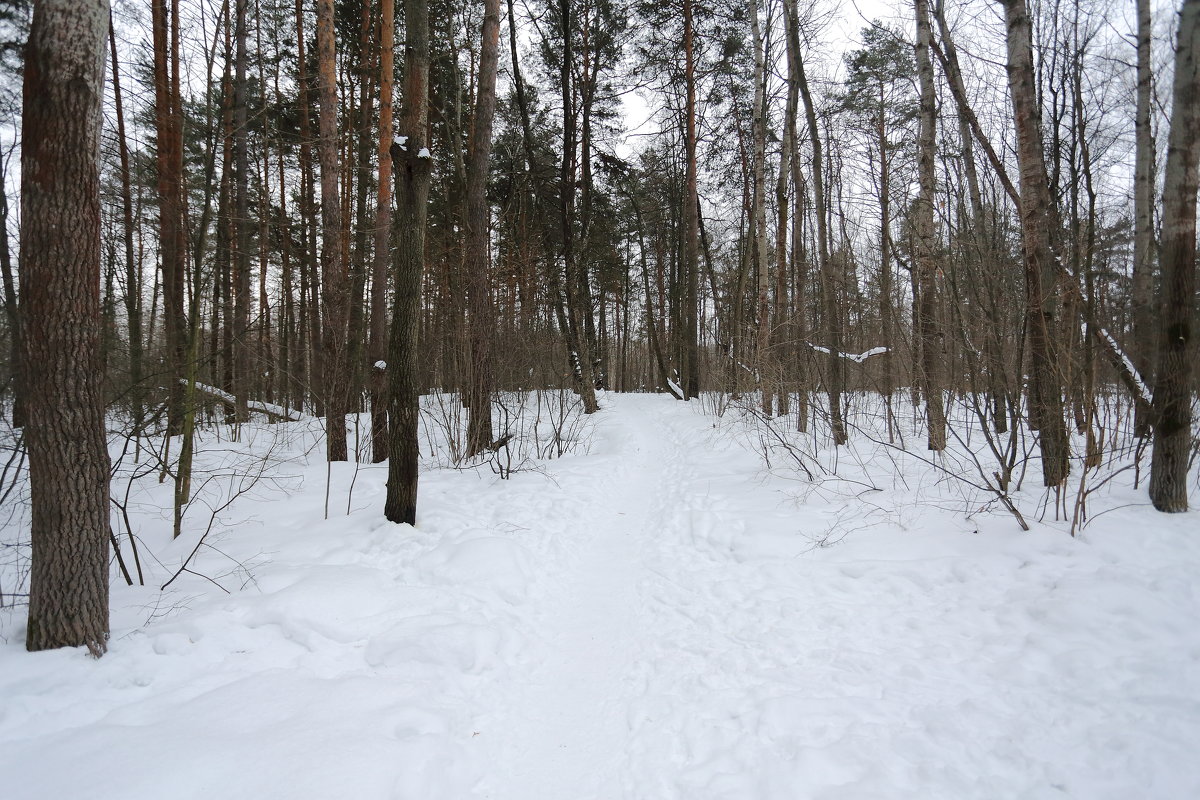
[(60, 307)]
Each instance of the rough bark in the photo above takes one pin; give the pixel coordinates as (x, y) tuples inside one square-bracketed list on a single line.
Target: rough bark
[(241, 222), (1177, 309), (333, 267), (411, 169), (482, 328), (60, 307), (169, 165), (377, 352)]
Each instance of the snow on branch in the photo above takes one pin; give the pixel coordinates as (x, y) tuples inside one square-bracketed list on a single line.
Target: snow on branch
[(857, 358), (270, 409), (1125, 368)]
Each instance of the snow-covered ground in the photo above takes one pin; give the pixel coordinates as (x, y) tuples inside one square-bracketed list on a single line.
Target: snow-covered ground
[(653, 616)]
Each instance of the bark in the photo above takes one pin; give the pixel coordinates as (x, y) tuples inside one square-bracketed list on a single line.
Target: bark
[(356, 337), (60, 307), (482, 328), (333, 266), (377, 352), (1143, 219), (758, 213), (926, 260), (169, 164), (1173, 388), (1041, 266), (241, 223), (690, 372), (411, 169), (573, 285), (799, 324)]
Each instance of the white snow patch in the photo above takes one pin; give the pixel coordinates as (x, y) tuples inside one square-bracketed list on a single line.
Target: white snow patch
[(661, 618)]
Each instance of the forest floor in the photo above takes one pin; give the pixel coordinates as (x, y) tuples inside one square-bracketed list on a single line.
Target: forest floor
[(656, 616)]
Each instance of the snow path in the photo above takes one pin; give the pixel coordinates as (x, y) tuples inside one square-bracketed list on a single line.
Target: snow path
[(567, 728)]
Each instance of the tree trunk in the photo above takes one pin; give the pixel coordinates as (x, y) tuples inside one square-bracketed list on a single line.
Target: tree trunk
[(690, 372), (758, 215), (241, 223), (573, 285), (411, 167), (1143, 216), (836, 380), (482, 328), (926, 267), (1041, 269), (1173, 386), (60, 307), (383, 224), (333, 267), (169, 164)]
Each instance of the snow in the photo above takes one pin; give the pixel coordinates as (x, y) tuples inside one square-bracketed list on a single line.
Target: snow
[(857, 358), (424, 153), (380, 364), (254, 405), (1144, 393), (658, 617), (400, 141)]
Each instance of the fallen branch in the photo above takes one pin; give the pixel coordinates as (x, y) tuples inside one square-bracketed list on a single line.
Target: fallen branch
[(273, 412)]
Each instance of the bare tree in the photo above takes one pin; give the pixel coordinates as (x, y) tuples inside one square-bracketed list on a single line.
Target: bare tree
[(926, 267), (1143, 219), (1041, 265), (479, 426), (1173, 388)]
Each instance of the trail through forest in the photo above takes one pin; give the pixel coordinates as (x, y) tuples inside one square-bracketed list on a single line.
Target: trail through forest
[(659, 618)]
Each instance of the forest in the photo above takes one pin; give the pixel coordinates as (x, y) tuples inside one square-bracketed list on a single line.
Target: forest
[(923, 267)]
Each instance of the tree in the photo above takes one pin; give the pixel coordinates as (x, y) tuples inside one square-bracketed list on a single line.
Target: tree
[(1143, 212), (411, 164), (168, 115), (479, 428), (383, 225), (61, 313), (836, 379), (333, 265), (926, 267), (1173, 387), (879, 95), (1041, 264)]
